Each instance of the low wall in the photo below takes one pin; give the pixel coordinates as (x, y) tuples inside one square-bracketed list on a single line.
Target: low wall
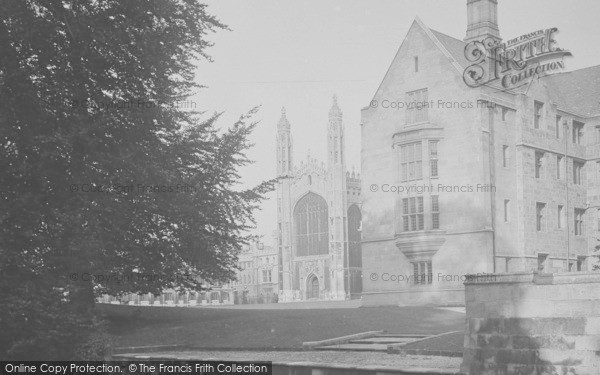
[(416, 297), (530, 323)]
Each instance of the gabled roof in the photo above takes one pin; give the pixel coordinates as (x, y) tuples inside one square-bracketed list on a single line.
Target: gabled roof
[(449, 42), (577, 91), (455, 47)]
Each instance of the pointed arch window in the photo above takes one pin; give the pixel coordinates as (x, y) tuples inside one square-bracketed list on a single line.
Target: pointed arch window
[(311, 227)]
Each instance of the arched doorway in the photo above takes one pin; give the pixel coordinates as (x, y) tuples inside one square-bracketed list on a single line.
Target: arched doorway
[(312, 287)]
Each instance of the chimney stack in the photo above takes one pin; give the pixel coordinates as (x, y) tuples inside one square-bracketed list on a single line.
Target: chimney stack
[(482, 19)]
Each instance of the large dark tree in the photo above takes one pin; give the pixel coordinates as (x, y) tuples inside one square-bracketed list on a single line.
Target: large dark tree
[(88, 93)]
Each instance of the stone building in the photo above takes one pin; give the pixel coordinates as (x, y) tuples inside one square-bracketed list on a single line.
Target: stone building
[(477, 177), (318, 218), (211, 294), (257, 278), (256, 281)]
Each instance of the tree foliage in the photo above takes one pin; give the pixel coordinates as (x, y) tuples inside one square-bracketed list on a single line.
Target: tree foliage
[(88, 101)]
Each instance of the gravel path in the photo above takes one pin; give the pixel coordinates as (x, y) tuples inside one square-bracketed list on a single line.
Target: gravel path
[(345, 358)]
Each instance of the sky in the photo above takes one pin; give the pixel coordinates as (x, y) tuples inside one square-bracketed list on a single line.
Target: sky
[(298, 54)]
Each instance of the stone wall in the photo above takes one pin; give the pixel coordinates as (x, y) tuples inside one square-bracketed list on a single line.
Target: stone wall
[(463, 242), (530, 323), (416, 297)]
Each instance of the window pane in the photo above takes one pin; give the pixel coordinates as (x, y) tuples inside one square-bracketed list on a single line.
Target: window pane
[(537, 114), (310, 220), (540, 220), (416, 273), (436, 221), (559, 167), (429, 273), (433, 168), (433, 149)]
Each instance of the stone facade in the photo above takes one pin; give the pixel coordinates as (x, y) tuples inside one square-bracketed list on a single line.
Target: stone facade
[(461, 180), (256, 281), (257, 277), (210, 295), (533, 323), (318, 211)]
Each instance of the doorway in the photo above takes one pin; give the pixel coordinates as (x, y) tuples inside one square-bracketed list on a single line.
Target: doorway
[(312, 287)]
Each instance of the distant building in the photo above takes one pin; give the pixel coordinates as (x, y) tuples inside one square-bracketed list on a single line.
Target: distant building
[(256, 282), (498, 177), (318, 219), (257, 279), (211, 295)]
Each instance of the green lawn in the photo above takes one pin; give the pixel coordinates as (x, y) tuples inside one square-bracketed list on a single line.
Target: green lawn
[(281, 328), (453, 342)]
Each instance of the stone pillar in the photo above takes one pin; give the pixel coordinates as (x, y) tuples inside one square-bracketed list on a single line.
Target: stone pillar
[(532, 323), (337, 202), (285, 170)]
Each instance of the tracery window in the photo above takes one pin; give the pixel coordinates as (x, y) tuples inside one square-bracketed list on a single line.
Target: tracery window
[(311, 228)]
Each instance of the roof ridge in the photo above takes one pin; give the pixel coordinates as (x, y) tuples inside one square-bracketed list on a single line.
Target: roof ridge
[(580, 69), (449, 36), (571, 71), (434, 39), (443, 48)]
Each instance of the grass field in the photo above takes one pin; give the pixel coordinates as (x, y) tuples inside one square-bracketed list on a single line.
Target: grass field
[(264, 328), (453, 342)]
